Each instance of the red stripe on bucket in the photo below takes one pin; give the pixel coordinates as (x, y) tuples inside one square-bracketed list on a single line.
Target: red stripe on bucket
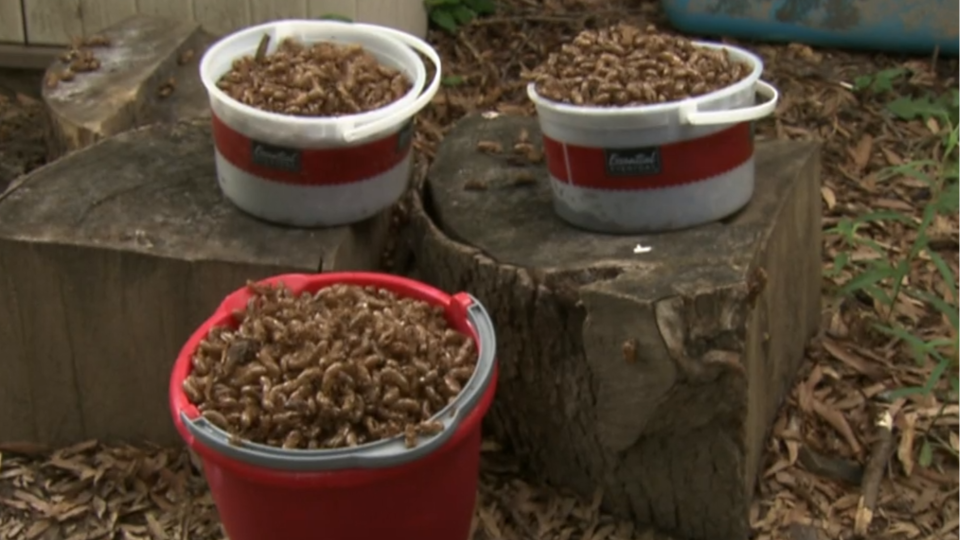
[(311, 167), (673, 164)]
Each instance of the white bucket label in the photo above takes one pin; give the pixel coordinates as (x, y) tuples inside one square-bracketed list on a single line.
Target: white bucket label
[(312, 166), (633, 161), (667, 165), (275, 157)]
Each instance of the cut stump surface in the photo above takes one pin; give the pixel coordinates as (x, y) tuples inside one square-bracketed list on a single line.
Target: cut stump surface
[(653, 376), (148, 73), (109, 259)]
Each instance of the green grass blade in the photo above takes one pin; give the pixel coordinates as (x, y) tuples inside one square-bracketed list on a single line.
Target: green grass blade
[(941, 305), (870, 277), (904, 392), (946, 274), (919, 349)]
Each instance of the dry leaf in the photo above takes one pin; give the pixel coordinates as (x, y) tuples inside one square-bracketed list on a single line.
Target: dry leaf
[(855, 361), (892, 204), (954, 441), (892, 157), (905, 448), (156, 530), (805, 390), (861, 153), (490, 524), (838, 422), (37, 529), (950, 526), (862, 518), (829, 197)]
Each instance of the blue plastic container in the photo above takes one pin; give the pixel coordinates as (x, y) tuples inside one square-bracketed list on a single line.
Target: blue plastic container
[(908, 26)]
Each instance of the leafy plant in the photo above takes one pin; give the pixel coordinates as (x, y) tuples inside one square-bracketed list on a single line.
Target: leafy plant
[(884, 277), (452, 14), (879, 82), (334, 17)]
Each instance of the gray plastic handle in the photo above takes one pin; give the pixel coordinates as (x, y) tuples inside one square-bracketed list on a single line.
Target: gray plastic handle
[(386, 453)]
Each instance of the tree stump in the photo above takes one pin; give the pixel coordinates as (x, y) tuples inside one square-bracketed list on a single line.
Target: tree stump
[(109, 259), (651, 375), (148, 73)]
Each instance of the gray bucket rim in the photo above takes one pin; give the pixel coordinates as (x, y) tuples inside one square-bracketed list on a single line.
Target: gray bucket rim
[(380, 454)]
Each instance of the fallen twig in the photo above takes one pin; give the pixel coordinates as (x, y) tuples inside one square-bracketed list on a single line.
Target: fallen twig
[(873, 474), (832, 467)]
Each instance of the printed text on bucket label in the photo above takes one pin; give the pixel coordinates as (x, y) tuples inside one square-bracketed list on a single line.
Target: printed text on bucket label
[(275, 157), (632, 161)]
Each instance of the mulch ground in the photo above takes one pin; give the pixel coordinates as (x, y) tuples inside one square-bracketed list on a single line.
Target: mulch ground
[(21, 125), (829, 448)]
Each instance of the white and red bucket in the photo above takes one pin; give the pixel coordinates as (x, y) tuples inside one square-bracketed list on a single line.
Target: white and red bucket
[(317, 171), (655, 167)]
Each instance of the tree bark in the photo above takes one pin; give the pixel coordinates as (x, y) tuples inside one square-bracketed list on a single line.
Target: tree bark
[(149, 73), (109, 259), (654, 376)]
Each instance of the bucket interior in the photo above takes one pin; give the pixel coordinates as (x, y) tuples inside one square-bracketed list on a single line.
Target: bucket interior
[(612, 122), (246, 43), (304, 131)]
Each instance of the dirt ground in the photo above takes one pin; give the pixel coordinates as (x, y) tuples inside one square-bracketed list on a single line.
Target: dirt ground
[(827, 455), (21, 134)]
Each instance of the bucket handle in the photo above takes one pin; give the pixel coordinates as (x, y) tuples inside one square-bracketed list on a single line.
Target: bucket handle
[(691, 116), (356, 133), (381, 454)]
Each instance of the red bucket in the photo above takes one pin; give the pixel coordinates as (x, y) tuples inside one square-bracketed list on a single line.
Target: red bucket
[(373, 491)]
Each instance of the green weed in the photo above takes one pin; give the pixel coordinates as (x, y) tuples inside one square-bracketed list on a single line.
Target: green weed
[(884, 278), (879, 82), (334, 17), (452, 14), (449, 15)]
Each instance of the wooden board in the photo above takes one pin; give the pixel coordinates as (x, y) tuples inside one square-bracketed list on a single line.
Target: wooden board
[(178, 10), (109, 259), (11, 22), (278, 9), (320, 8), (652, 376), (27, 57), (221, 17), (96, 15), (52, 23), (145, 53), (410, 16)]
